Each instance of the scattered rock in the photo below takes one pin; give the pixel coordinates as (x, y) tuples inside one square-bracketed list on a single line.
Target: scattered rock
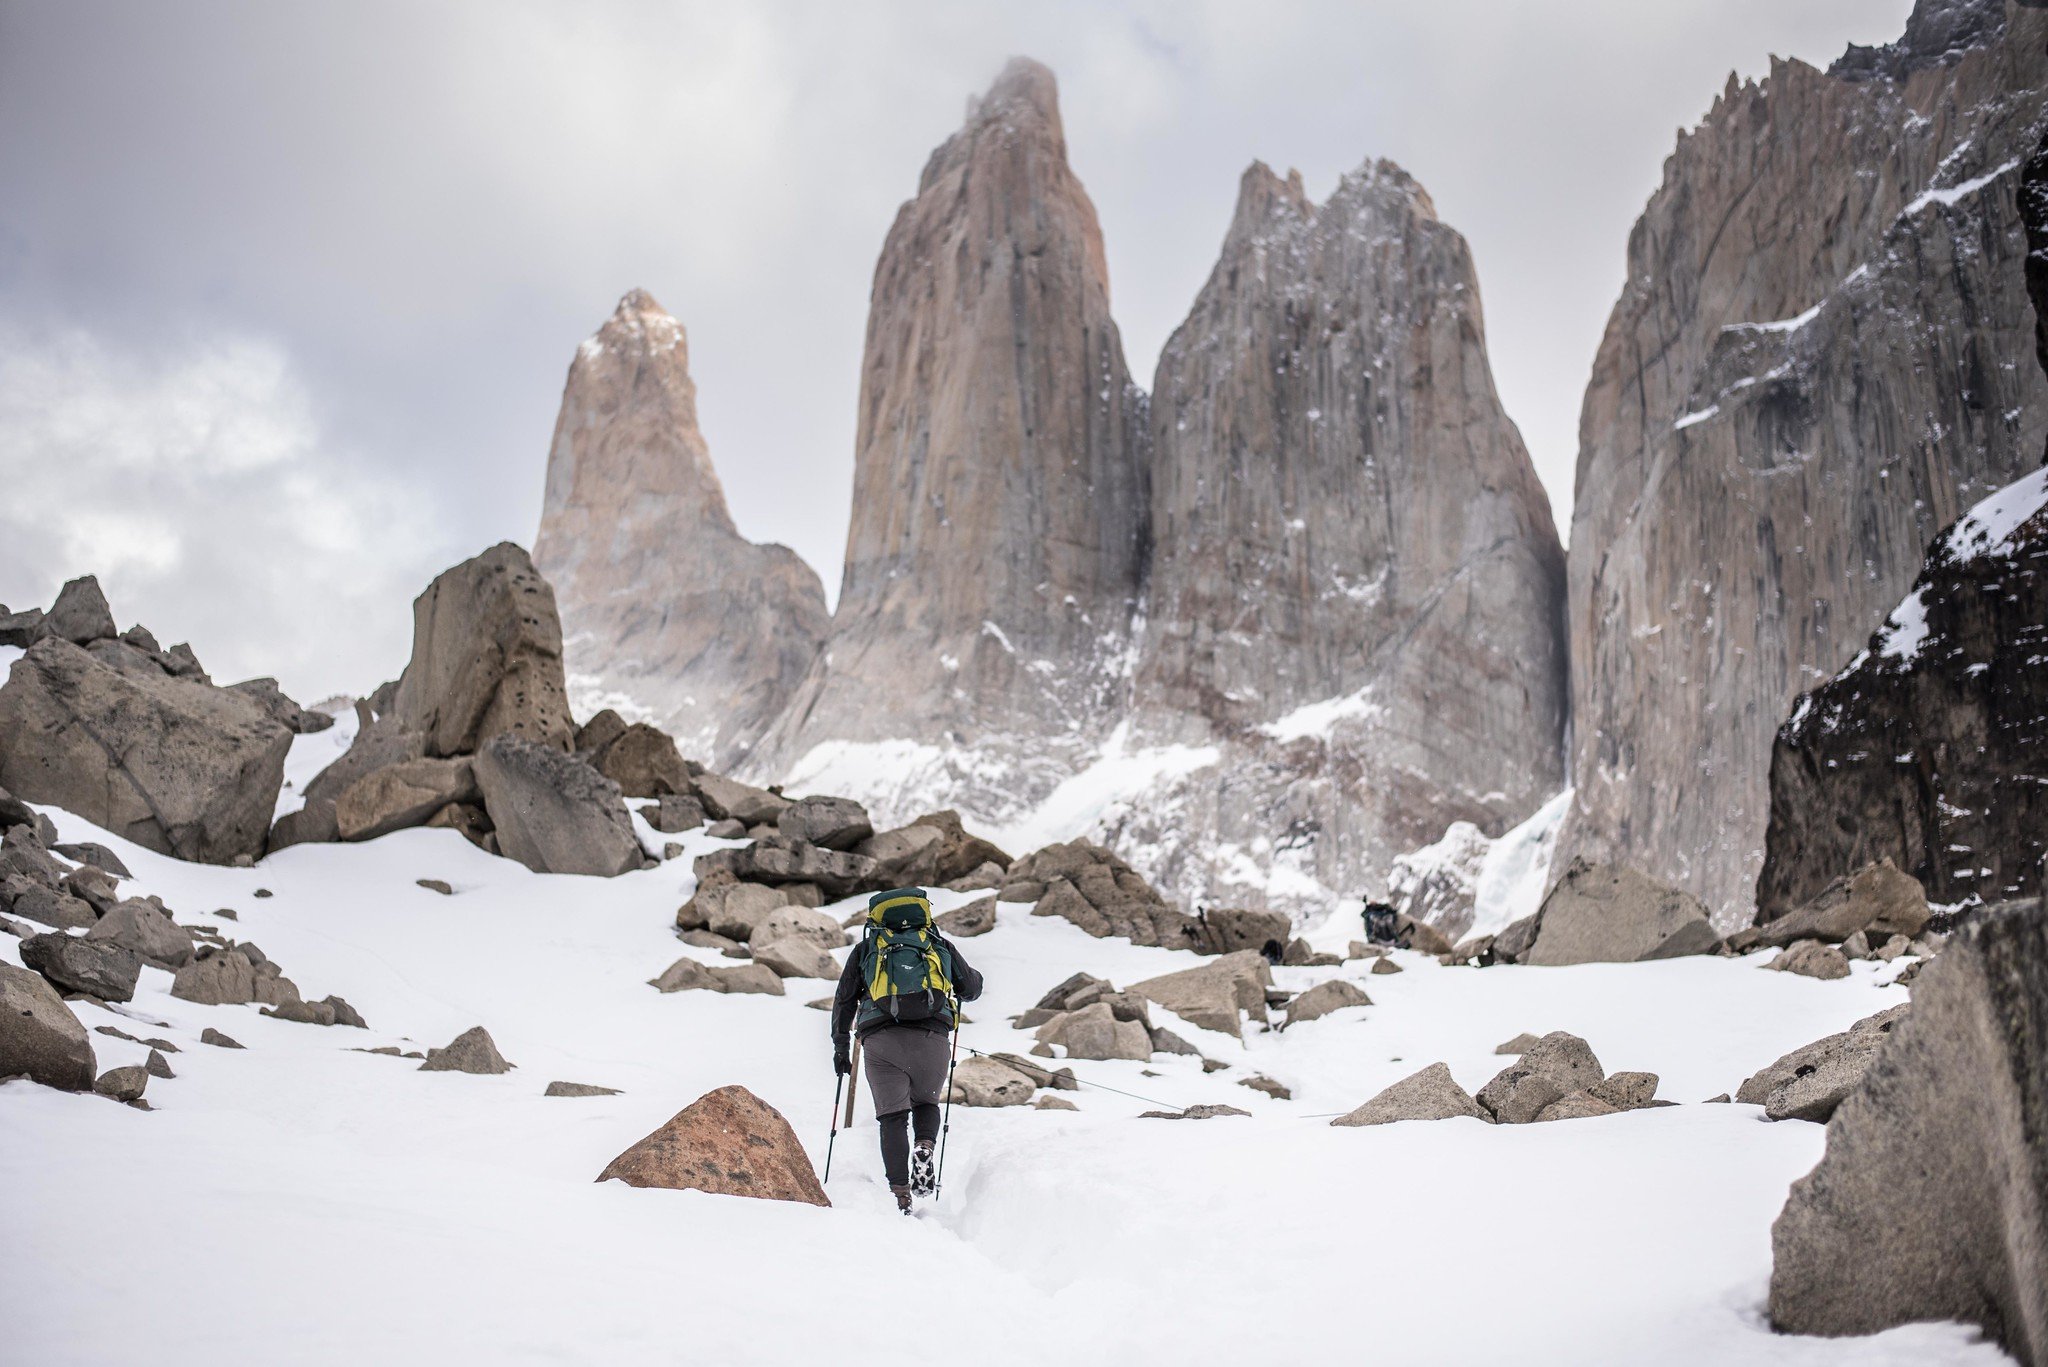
[(486, 660), (644, 762), (1226, 930), (730, 909), (675, 813), (1557, 1065), (400, 796), (332, 1010), (1626, 1091), (687, 975), (754, 978), (1204, 1112), (727, 829), (1432, 1094), (176, 766), (988, 1082), (1811, 959), (962, 923), (1605, 913), (224, 978), (45, 905), (435, 885), (214, 1037), (1335, 995), (724, 799), (472, 1051), (1520, 1044), (793, 956), (1811, 1081), (40, 1038), (1075, 993), (1931, 1202), (97, 968), (1094, 1032), (981, 878), (266, 694), (728, 1142), (1259, 1082), (832, 823), (1210, 997), (1164, 1041), (1054, 1103), (93, 853), (554, 813), (156, 1065), (578, 1089), (775, 858), (1511, 946), (804, 923), (144, 928), (1877, 899), (1578, 1106), (1385, 966), (123, 1084), (1101, 894)]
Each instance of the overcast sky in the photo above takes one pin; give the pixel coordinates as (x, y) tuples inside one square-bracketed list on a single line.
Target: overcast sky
[(287, 293)]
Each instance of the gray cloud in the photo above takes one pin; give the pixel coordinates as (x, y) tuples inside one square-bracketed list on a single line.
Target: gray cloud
[(365, 240)]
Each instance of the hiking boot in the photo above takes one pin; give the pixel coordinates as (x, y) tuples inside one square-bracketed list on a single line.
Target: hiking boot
[(924, 1180), (902, 1195)]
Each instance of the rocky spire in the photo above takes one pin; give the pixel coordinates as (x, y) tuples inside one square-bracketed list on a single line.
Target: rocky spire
[(997, 540), (1357, 590), (1810, 370), (663, 602)]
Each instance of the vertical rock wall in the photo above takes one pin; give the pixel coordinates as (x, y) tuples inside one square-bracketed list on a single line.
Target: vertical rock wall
[(1811, 369)]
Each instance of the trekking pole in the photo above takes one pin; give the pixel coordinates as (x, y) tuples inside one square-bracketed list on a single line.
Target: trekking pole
[(853, 1086), (839, 1082), (946, 1125)]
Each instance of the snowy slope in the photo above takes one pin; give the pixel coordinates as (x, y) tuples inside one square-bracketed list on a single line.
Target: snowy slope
[(298, 1202)]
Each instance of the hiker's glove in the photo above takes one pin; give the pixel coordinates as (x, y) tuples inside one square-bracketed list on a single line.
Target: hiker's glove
[(842, 1062)]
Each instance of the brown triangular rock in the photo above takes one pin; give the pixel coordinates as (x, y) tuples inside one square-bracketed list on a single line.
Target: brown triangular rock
[(729, 1142)]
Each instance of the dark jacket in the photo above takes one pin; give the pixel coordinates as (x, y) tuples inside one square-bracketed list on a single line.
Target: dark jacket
[(853, 983)]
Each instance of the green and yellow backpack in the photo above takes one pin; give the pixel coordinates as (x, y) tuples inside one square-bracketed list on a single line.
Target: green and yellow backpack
[(907, 971)]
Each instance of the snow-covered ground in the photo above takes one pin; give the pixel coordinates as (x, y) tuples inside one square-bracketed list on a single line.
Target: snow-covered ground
[(298, 1202)]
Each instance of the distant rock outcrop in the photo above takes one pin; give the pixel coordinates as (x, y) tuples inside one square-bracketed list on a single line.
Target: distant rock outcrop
[(998, 540), (662, 599), (1930, 749), (1356, 591), (1808, 373)]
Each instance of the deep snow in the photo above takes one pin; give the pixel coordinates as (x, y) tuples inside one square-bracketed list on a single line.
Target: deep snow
[(296, 1202)]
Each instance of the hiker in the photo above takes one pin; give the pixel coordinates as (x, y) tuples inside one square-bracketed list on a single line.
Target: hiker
[(1382, 924), (900, 994)]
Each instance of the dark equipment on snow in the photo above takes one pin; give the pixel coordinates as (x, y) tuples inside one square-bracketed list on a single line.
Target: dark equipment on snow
[(1382, 923)]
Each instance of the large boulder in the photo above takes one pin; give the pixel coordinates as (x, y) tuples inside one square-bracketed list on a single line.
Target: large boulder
[(177, 766), (1876, 900), (1931, 1202), (39, 1037), (728, 1142), (1094, 1032), (907, 856), (1604, 913), (553, 812), (730, 909), (1557, 1066), (24, 897), (976, 918), (266, 694), (1812, 1080), (804, 923), (1213, 995), (232, 976), (644, 762), (73, 963), (400, 796), (145, 928), (486, 658), (792, 956), (1101, 894), (833, 823), (1812, 959), (959, 853), (1432, 1094)]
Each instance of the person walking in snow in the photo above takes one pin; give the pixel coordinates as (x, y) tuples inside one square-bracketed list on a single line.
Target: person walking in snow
[(900, 996)]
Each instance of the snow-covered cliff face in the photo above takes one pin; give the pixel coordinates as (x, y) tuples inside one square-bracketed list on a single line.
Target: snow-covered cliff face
[(1817, 362), (666, 608), (1356, 592), (998, 534)]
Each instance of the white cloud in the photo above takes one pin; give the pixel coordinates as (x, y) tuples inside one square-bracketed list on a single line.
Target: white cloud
[(199, 489)]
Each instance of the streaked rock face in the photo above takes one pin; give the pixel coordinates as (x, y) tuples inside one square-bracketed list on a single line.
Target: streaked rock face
[(998, 532), (662, 599), (1356, 593), (1816, 363)]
